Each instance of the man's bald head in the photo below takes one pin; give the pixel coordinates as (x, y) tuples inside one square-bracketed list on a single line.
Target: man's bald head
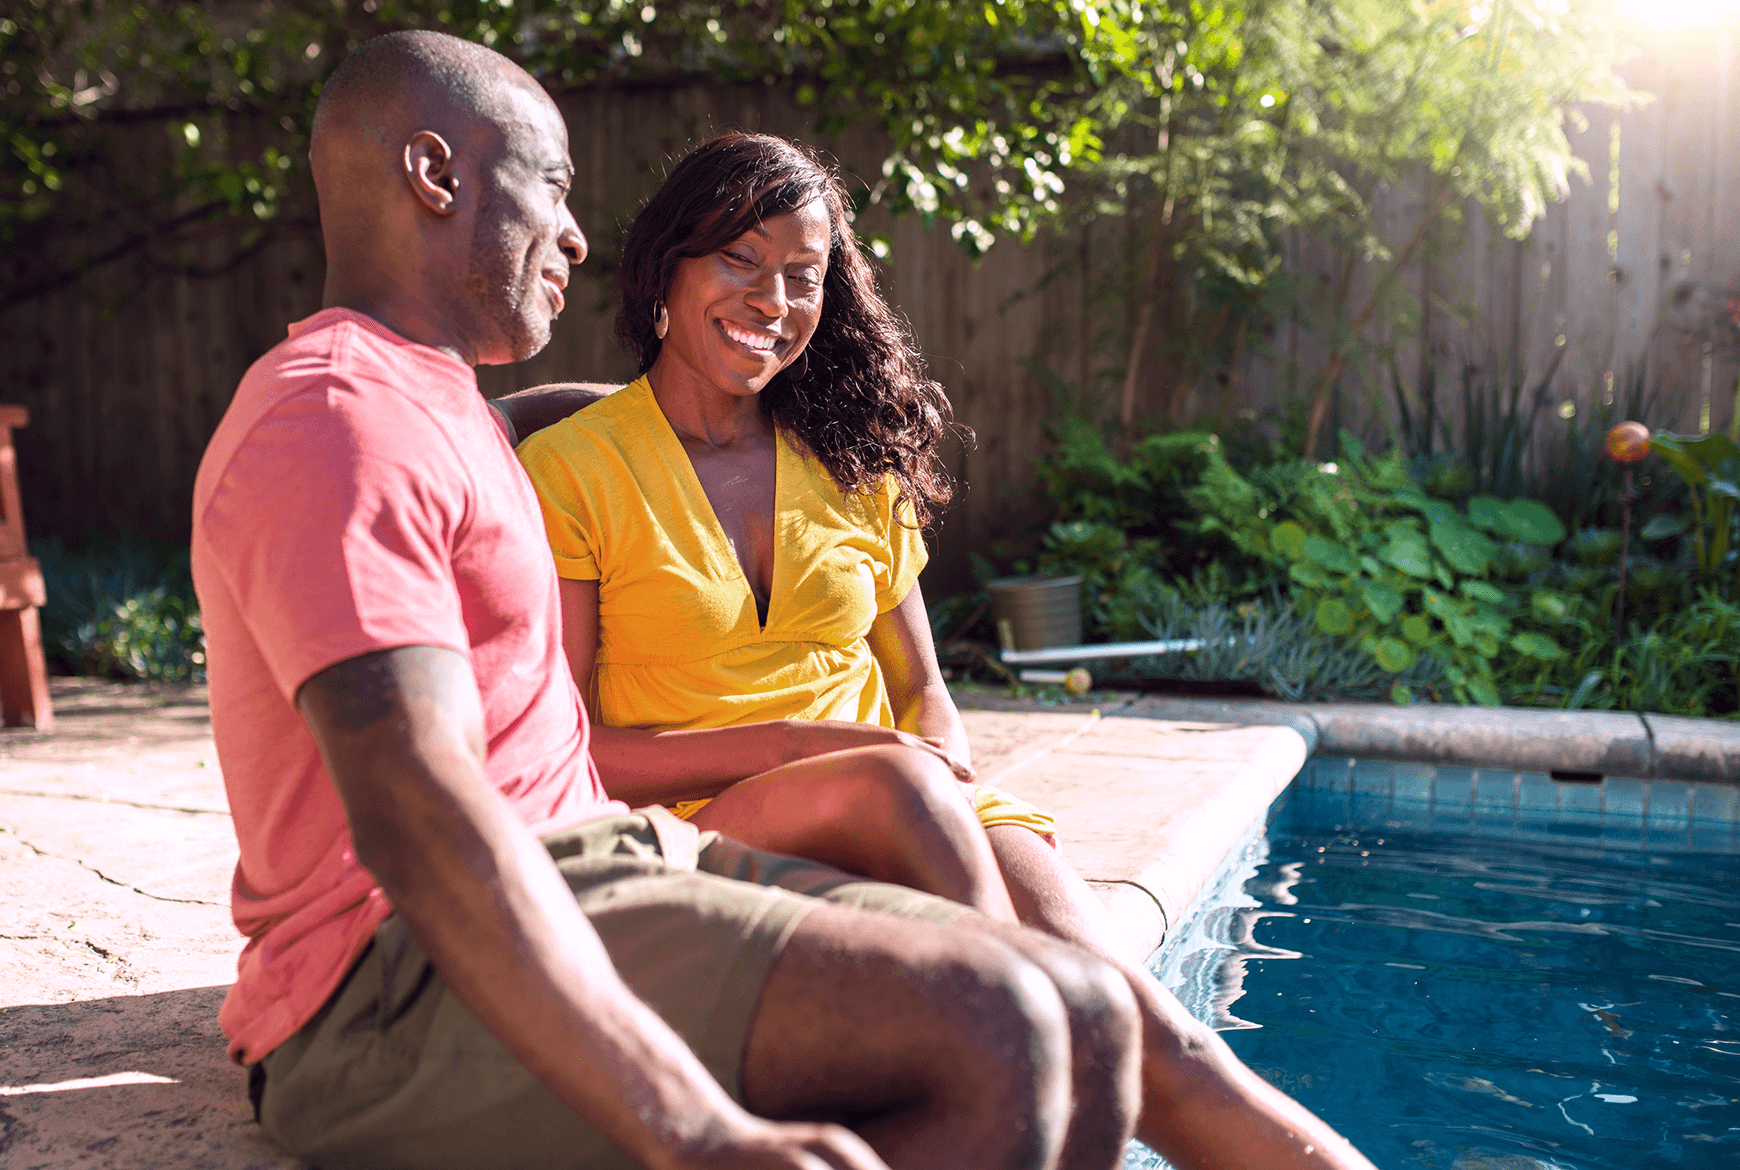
[(403, 82), (435, 161)]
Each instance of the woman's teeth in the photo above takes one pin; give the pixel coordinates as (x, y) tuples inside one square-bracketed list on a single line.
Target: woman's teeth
[(760, 341)]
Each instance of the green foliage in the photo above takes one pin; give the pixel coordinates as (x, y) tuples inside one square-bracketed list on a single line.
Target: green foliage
[(1710, 467), (1685, 662), (122, 609), (1372, 557), (1266, 641)]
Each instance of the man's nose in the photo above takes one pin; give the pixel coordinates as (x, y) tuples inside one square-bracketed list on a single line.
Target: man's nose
[(571, 239)]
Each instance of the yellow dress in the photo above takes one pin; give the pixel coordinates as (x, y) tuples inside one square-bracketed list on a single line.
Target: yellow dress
[(680, 644)]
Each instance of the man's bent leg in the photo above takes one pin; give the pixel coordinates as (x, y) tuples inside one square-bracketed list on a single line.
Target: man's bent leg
[(1104, 1024), (395, 1073)]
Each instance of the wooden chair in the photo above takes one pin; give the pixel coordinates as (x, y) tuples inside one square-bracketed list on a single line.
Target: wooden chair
[(23, 673)]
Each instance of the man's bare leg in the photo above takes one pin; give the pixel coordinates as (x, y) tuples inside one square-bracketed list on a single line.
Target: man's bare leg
[(943, 1046), (889, 813), (1201, 1106)]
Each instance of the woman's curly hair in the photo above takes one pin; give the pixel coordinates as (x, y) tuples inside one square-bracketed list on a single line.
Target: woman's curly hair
[(862, 406)]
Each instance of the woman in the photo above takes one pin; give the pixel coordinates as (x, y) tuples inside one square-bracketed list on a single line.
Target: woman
[(737, 533)]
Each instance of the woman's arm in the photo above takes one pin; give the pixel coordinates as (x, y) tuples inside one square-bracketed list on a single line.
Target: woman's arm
[(662, 767), (901, 641)]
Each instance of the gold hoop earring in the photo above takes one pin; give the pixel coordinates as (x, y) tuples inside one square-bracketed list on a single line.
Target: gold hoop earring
[(803, 368), (661, 321)]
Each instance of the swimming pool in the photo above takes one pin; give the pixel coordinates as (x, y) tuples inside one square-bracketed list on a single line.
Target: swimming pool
[(1485, 970)]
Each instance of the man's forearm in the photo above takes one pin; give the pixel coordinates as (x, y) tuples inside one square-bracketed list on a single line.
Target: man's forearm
[(401, 733)]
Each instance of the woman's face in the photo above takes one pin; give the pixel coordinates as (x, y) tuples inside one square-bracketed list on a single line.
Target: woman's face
[(744, 313)]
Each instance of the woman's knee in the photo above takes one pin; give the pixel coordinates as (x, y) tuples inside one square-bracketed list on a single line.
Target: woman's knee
[(912, 785)]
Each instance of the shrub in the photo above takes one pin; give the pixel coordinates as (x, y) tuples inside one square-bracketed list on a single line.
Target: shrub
[(121, 608)]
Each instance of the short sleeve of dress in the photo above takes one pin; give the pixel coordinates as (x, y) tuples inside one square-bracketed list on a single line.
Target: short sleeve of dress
[(351, 553), (907, 555), (565, 499)]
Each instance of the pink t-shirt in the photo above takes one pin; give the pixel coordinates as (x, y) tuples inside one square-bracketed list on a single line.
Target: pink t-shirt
[(358, 496)]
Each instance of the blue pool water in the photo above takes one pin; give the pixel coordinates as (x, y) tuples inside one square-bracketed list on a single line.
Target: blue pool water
[(1487, 970)]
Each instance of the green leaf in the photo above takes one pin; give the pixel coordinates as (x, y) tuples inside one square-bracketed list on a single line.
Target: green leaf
[(1484, 512), (1481, 591), (1467, 551), (1309, 575), (1334, 616), (1417, 628), (1331, 556), (1674, 449), (1721, 487), (1548, 606), (1407, 551), (1537, 646), (1394, 655), (1383, 601), (1663, 525), (1483, 692), (1288, 539), (1438, 512), (1529, 521), (1400, 695)]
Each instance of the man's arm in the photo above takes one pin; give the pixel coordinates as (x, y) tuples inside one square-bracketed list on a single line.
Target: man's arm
[(401, 732), (525, 411)]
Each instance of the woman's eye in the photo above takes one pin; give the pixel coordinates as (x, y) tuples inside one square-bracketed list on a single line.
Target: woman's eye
[(738, 258), (809, 277)]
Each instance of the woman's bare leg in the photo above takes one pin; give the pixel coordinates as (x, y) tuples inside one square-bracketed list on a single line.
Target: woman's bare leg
[(889, 813), (1201, 1106)]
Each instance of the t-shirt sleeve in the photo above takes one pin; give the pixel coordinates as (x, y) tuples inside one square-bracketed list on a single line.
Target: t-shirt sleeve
[(335, 535), (565, 501), (907, 555)]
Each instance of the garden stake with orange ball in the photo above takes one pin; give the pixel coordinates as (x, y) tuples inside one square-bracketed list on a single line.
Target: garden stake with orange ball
[(1627, 443)]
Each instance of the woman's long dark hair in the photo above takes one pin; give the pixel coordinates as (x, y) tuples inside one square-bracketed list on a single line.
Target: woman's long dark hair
[(862, 406)]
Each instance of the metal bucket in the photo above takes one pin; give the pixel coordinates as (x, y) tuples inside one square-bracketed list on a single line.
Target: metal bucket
[(1035, 612)]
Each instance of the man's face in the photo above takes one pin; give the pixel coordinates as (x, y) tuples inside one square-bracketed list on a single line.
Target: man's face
[(523, 238)]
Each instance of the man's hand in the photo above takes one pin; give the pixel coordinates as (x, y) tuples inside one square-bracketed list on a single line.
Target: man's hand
[(790, 1146)]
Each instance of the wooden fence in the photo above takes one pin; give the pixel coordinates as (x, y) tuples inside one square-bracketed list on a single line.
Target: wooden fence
[(127, 374)]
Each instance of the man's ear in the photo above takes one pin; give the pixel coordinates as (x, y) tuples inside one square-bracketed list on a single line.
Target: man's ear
[(431, 171)]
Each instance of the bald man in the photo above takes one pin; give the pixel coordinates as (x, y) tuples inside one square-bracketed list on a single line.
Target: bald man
[(461, 952)]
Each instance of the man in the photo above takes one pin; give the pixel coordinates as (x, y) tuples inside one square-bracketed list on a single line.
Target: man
[(425, 983)]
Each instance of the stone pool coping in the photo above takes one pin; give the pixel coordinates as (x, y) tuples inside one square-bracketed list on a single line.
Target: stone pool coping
[(1641, 745), (116, 850)]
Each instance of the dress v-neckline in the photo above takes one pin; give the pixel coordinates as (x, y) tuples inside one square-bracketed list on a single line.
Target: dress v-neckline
[(722, 548)]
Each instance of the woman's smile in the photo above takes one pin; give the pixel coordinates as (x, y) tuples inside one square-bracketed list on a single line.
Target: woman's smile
[(753, 339)]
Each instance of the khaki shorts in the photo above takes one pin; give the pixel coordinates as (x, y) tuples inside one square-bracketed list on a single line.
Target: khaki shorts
[(393, 1072)]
